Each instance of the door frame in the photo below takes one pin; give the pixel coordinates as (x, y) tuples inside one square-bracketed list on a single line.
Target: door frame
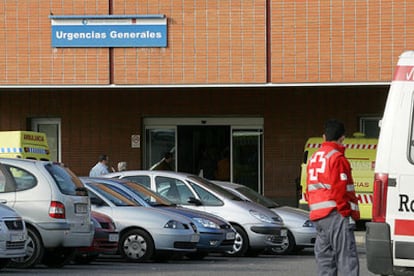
[(235, 123)]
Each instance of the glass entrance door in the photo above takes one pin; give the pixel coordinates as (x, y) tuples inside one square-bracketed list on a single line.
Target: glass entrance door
[(226, 149), (200, 148), (247, 161)]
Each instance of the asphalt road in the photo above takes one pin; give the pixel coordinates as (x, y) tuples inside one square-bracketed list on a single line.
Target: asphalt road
[(301, 264)]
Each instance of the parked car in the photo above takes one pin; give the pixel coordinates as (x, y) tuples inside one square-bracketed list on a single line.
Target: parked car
[(144, 233), (13, 234), (257, 227), (54, 205), (216, 234), (105, 240), (301, 230)]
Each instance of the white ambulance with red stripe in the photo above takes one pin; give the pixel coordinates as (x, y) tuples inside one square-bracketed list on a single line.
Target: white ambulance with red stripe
[(390, 236), (361, 153)]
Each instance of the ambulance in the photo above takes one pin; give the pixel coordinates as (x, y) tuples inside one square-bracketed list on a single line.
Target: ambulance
[(24, 144), (361, 153), (390, 235)]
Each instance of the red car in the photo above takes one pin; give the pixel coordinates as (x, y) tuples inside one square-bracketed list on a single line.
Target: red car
[(105, 239)]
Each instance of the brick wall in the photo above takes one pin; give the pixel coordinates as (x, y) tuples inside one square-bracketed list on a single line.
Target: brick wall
[(338, 40), (96, 121)]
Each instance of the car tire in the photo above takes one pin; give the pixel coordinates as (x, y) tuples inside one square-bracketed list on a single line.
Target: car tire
[(35, 251), (241, 243), (136, 246), (59, 257), (4, 263), (287, 247)]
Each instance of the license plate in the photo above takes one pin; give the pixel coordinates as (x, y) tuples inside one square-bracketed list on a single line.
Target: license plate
[(195, 238), (230, 236), (113, 237), (283, 232), (16, 237), (81, 208)]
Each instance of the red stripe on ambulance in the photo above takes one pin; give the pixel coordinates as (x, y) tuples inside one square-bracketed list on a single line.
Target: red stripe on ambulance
[(404, 73), (364, 198), (404, 227), (348, 146)]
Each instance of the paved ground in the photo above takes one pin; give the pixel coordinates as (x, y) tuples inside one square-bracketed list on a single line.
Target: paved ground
[(360, 237)]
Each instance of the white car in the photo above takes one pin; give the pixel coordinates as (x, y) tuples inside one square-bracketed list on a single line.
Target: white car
[(301, 230), (13, 235), (257, 228)]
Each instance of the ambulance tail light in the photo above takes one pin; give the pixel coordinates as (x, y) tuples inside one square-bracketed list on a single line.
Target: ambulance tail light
[(379, 204)]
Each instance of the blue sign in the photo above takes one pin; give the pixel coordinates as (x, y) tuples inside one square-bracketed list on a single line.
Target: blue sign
[(109, 31)]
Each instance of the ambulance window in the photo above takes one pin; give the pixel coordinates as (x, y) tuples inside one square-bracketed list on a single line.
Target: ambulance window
[(411, 145), (24, 180)]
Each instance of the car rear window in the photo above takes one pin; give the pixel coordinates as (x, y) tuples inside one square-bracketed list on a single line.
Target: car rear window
[(67, 182)]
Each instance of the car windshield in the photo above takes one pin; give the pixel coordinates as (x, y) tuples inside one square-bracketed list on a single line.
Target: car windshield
[(256, 197), (116, 196), (149, 196), (214, 187)]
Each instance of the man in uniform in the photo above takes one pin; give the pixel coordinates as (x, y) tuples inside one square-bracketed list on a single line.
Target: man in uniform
[(333, 205)]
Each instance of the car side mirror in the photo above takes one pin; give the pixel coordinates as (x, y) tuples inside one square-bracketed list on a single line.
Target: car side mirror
[(195, 201)]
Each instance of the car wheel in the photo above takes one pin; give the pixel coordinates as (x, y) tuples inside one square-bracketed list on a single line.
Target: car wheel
[(136, 246), (287, 247), (241, 243), (59, 257), (34, 252), (4, 263)]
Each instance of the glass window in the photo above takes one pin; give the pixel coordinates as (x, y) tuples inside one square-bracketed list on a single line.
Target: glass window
[(140, 179), (6, 183), (115, 195), (24, 180), (173, 189), (51, 127), (67, 182), (369, 126), (158, 141), (205, 196), (247, 161), (411, 149)]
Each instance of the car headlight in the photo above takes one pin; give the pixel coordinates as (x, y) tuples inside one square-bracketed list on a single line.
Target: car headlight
[(207, 223), (261, 217), (173, 224), (308, 223)]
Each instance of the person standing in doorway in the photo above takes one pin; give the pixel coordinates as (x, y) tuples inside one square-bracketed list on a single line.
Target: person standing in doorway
[(101, 167), (164, 164), (122, 166), (333, 204), (223, 166)]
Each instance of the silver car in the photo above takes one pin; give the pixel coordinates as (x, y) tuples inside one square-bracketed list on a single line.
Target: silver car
[(144, 233), (216, 234), (13, 234), (257, 227), (54, 205), (301, 230)]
